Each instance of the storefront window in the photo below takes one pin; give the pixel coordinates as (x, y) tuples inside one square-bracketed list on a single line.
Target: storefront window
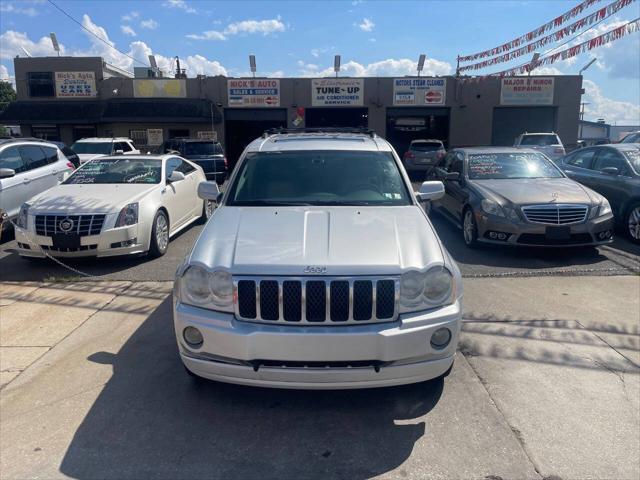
[(41, 84)]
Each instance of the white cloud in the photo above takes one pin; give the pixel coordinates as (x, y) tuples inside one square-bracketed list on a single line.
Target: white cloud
[(208, 35), (372, 40), (5, 77), (613, 111), (149, 24), (12, 44), (11, 8), (366, 25), (384, 68), (130, 16), (180, 4), (127, 30), (265, 27)]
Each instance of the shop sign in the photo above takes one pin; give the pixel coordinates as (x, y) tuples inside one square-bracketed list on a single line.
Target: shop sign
[(154, 136), (414, 91), (347, 92), (159, 88), (75, 84), (527, 91), (253, 92), (207, 135)]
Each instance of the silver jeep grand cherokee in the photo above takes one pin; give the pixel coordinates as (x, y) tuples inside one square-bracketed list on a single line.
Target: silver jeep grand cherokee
[(319, 269)]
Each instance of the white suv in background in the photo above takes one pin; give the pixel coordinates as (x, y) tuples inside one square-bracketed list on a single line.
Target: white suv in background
[(28, 168), (319, 269), (547, 143), (90, 148)]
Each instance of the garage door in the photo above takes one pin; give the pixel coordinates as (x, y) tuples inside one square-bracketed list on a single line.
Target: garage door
[(406, 124), (510, 122)]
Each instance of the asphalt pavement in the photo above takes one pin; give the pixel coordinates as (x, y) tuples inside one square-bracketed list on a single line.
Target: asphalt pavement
[(620, 258)]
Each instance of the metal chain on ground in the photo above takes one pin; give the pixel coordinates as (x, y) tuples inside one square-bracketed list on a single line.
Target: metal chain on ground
[(47, 255), (552, 273)]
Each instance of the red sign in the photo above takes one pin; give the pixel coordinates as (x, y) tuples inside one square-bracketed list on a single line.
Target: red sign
[(433, 97)]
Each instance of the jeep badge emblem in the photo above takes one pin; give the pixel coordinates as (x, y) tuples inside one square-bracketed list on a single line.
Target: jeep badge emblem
[(66, 225), (310, 269)]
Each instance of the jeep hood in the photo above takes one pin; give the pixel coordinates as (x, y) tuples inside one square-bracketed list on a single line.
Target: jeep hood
[(88, 198), (345, 240)]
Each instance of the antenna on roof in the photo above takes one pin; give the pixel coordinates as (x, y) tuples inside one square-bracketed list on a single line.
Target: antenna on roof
[(25, 51), (54, 41), (152, 61)]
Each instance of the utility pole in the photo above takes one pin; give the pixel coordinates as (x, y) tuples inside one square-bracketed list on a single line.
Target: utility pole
[(582, 109)]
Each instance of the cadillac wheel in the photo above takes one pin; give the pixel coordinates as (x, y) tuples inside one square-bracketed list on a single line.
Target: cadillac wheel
[(160, 235), (633, 223)]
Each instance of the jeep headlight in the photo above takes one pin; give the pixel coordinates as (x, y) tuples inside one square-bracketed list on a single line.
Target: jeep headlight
[(202, 288), (424, 290), (23, 216)]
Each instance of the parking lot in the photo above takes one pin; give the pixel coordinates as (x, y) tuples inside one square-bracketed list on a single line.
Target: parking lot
[(546, 382)]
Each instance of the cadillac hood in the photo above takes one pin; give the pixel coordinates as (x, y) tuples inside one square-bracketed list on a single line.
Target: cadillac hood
[(88, 198), (525, 191), (344, 240)]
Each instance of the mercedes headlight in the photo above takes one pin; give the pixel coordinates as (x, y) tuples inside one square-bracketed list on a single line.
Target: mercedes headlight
[(424, 290), (128, 215), (492, 208), (605, 208), (23, 216), (202, 288)]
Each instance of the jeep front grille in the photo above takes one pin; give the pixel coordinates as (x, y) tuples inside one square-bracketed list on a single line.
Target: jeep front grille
[(314, 300), (556, 214)]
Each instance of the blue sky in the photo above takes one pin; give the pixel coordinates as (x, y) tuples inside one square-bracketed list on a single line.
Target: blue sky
[(296, 38)]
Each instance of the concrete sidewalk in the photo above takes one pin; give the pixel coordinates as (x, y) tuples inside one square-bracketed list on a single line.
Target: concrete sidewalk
[(548, 385)]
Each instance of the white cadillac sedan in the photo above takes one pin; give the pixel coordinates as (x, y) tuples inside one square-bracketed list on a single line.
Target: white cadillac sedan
[(114, 205)]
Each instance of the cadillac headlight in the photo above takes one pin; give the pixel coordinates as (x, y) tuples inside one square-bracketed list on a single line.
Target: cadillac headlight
[(424, 290), (23, 216), (128, 215), (492, 208), (212, 290)]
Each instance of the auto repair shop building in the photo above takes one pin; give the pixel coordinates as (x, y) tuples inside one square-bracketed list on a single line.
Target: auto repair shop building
[(67, 98)]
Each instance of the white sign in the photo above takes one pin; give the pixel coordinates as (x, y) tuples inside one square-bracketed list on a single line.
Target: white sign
[(346, 92), (527, 91), (419, 91), (208, 135), (75, 84), (253, 92), (154, 136)]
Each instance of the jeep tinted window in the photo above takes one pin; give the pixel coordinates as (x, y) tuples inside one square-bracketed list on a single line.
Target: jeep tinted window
[(319, 178)]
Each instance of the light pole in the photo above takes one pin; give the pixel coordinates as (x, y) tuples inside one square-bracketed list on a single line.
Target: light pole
[(421, 62), (252, 64), (336, 64), (593, 60)]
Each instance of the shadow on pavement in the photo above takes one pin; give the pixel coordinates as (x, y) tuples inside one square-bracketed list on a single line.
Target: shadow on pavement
[(514, 257), (153, 420)]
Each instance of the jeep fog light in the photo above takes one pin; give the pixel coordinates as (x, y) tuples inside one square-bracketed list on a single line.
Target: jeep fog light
[(440, 338), (193, 337)]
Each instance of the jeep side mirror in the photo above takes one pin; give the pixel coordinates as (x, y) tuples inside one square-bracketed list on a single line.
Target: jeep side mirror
[(7, 172), (208, 191), (430, 191)]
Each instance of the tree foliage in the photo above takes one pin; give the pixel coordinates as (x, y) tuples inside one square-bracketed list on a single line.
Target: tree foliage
[(7, 94)]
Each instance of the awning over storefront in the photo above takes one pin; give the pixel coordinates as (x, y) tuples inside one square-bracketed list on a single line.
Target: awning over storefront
[(185, 110), (29, 112)]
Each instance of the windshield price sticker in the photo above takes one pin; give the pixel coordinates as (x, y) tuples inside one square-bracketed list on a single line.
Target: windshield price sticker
[(253, 92), (337, 92), (419, 91)]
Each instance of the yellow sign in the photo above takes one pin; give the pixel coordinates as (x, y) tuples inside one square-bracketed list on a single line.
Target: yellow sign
[(159, 88)]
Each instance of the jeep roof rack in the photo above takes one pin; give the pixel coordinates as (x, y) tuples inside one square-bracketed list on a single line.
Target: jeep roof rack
[(283, 130)]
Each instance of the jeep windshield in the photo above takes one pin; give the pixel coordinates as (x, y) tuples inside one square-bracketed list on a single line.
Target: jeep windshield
[(318, 178)]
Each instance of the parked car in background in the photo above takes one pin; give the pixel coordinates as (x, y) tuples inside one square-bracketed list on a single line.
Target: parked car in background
[(513, 196), (70, 154), (90, 148), (613, 171), (319, 270), (206, 153), (547, 143), (423, 154), (28, 168), (114, 205), (633, 137)]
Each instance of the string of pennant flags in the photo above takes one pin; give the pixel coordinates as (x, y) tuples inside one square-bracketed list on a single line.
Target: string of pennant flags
[(528, 37), (607, 37), (589, 20)]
